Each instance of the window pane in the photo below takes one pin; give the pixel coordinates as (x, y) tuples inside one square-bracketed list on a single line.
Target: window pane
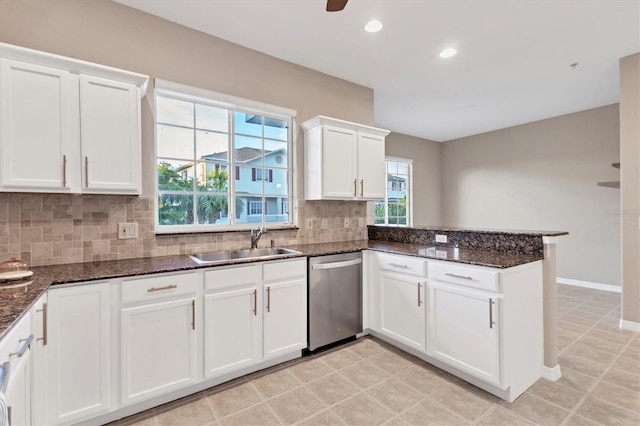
[(175, 175), (212, 146), (249, 180), (276, 129), (275, 154), (211, 118), (174, 112), (212, 177), (248, 209), (276, 181), (276, 209), (403, 169), (248, 124), (174, 142), (248, 150), (212, 209), (175, 209)]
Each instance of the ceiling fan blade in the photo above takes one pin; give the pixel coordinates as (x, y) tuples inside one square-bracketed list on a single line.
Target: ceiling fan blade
[(336, 5)]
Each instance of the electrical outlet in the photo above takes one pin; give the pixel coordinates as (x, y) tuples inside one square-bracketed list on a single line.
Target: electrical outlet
[(127, 231), (361, 222), (441, 238), (309, 223), (346, 222), (325, 223)]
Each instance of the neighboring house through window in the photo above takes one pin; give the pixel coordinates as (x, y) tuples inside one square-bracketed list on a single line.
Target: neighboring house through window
[(396, 208), (222, 162)]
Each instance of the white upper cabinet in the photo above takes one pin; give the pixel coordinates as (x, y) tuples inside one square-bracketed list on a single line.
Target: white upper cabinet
[(67, 125), (343, 160)]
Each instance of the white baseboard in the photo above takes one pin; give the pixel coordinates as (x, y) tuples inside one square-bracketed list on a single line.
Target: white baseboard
[(589, 284), (551, 373), (630, 325)]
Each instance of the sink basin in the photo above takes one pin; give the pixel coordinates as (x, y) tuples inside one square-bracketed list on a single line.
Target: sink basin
[(226, 255)]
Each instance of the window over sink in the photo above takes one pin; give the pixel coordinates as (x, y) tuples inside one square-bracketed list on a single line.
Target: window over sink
[(396, 208), (222, 162)]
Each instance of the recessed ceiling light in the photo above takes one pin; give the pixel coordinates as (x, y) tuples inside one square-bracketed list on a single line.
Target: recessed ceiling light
[(448, 52), (373, 26)]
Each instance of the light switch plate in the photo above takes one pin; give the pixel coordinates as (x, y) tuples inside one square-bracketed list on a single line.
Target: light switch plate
[(441, 238), (127, 231), (346, 222), (309, 223), (361, 222), (325, 223)]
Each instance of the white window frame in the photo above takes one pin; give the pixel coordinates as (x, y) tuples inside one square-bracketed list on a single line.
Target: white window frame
[(236, 104), (409, 206)]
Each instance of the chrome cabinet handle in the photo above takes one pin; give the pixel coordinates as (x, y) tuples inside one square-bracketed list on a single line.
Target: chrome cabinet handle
[(491, 313), (459, 276), (168, 287), (24, 347), (355, 187), (193, 314), (362, 187), (86, 172), (268, 299), (44, 325), (399, 266), (64, 171), (419, 288), (255, 303)]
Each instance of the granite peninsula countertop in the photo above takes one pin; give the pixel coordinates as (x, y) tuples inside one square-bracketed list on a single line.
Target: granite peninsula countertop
[(14, 302)]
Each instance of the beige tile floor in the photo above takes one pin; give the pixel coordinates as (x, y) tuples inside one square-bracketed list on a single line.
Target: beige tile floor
[(369, 383)]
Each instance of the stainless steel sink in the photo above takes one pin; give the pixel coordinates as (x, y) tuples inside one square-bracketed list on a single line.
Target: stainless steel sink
[(257, 253)]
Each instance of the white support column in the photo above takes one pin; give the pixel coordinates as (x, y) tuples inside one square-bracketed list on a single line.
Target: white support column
[(551, 368)]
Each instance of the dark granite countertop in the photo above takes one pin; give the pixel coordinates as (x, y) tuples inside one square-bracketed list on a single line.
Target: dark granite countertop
[(14, 302)]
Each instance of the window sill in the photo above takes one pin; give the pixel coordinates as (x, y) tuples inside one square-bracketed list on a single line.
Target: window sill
[(177, 231)]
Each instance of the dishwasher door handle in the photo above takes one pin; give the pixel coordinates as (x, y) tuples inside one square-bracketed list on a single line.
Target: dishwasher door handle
[(334, 265)]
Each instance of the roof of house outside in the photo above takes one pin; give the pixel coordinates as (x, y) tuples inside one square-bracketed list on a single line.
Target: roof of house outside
[(242, 155)]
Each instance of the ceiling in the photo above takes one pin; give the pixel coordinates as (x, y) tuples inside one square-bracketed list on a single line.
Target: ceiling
[(513, 64)]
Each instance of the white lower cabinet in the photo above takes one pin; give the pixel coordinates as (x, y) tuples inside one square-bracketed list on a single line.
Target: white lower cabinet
[(285, 317), (158, 335), (38, 383), (254, 313), (403, 309), (15, 363), (77, 364), (232, 319), (464, 328)]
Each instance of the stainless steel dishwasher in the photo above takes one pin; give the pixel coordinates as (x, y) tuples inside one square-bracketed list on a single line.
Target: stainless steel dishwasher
[(335, 298)]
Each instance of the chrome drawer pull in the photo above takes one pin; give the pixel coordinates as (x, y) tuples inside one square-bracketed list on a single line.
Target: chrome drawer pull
[(268, 299), (169, 287), (44, 325), (399, 266), (419, 288), (24, 347), (459, 276), (491, 313)]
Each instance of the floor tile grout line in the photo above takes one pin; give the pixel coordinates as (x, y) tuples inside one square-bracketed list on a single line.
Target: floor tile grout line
[(599, 379)]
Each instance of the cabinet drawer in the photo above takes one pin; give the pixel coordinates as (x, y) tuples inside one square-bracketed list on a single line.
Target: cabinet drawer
[(158, 287), (286, 269), (404, 264), (470, 276), (16, 339), (235, 276)]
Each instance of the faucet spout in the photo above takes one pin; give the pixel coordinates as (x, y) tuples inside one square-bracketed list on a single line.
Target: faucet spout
[(256, 233)]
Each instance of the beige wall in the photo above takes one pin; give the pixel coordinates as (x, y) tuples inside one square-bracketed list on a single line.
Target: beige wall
[(630, 185), (56, 229), (543, 175), (426, 157)]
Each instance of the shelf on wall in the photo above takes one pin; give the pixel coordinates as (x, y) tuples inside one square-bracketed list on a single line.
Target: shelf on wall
[(613, 184)]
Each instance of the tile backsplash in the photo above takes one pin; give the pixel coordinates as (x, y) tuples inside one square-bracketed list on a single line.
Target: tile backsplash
[(50, 229)]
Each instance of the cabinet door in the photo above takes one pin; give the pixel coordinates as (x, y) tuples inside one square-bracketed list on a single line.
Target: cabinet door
[(403, 309), (110, 136), (38, 321), (77, 353), (339, 163), (371, 167), (38, 136), (463, 330), (285, 318), (19, 392), (158, 349), (233, 330)]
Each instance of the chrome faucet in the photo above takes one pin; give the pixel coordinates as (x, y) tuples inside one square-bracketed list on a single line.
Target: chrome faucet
[(256, 233)]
